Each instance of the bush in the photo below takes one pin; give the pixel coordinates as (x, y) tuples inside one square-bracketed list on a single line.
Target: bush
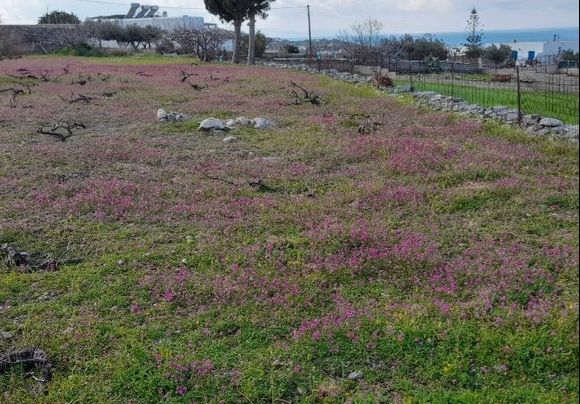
[(82, 49), (290, 49), (433, 64), (383, 81), (496, 54)]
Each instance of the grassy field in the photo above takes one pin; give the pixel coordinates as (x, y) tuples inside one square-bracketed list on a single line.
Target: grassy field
[(360, 251), (563, 106)]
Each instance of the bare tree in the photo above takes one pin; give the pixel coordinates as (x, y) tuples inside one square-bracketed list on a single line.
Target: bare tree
[(69, 35), (362, 42), (203, 42)]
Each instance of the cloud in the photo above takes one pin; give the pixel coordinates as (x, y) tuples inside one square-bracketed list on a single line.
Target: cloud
[(18, 12)]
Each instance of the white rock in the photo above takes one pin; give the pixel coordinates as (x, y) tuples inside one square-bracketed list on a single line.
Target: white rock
[(572, 132), (551, 122), (355, 375), (161, 115), (211, 124), (242, 120), (175, 117), (230, 139), (262, 123), (232, 123)]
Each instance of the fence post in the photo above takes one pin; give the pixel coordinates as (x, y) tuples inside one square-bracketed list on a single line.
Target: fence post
[(520, 121), (410, 74), (453, 76)]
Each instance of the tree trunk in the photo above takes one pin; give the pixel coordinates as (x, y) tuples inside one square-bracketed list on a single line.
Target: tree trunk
[(237, 40), (252, 43)]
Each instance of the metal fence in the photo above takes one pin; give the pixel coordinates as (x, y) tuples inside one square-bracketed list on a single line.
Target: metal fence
[(547, 90), (524, 89)]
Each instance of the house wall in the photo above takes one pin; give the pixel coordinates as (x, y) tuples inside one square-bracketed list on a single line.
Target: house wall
[(21, 39), (554, 48), (162, 22)]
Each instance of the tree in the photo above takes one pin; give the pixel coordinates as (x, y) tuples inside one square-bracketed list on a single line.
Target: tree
[(496, 54), (569, 55), (59, 17), (290, 49), (474, 38), (151, 34), (261, 44), (257, 7), (203, 42), (414, 48), (134, 35), (362, 41), (110, 31), (231, 11)]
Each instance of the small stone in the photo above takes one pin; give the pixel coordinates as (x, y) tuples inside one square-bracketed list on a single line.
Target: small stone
[(571, 132), (230, 139), (355, 375), (262, 123), (161, 115), (512, 117), (551, 122), (175, 117), (121, 262), (270, 159), (531, 119), (6, 335)]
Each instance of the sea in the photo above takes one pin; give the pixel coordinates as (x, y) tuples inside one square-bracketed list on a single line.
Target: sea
[(507, 36)]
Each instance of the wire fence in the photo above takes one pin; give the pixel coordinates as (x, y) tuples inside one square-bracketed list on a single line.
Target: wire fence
[(523, 89), (547, 90)]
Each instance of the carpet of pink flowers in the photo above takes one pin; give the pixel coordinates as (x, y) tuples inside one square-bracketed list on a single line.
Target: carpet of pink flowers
[(431, 258)]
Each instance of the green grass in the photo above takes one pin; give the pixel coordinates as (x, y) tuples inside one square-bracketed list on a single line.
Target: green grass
[(563, 106), (111, 334)]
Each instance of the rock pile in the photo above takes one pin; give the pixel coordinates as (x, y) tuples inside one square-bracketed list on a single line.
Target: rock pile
[(213, 124), (534, 124), (335, 74)]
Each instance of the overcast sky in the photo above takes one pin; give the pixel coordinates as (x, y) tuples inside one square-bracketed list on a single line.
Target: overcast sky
[(329, 16)]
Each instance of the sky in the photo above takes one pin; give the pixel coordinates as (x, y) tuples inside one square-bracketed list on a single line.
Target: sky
[(288, 18)]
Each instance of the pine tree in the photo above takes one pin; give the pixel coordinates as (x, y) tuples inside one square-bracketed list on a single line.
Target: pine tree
[(474, 38), (232, 11)]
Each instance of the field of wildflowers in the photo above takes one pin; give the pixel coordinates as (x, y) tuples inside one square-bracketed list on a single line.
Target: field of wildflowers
[(389, 254)]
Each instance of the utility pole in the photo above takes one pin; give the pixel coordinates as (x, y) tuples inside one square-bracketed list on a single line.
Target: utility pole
[(309, 32)]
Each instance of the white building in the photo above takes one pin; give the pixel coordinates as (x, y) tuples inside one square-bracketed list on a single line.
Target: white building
[(144, 16), (541, 51), (148, 15)]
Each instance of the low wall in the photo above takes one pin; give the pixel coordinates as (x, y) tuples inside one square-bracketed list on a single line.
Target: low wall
[(22, 39)]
